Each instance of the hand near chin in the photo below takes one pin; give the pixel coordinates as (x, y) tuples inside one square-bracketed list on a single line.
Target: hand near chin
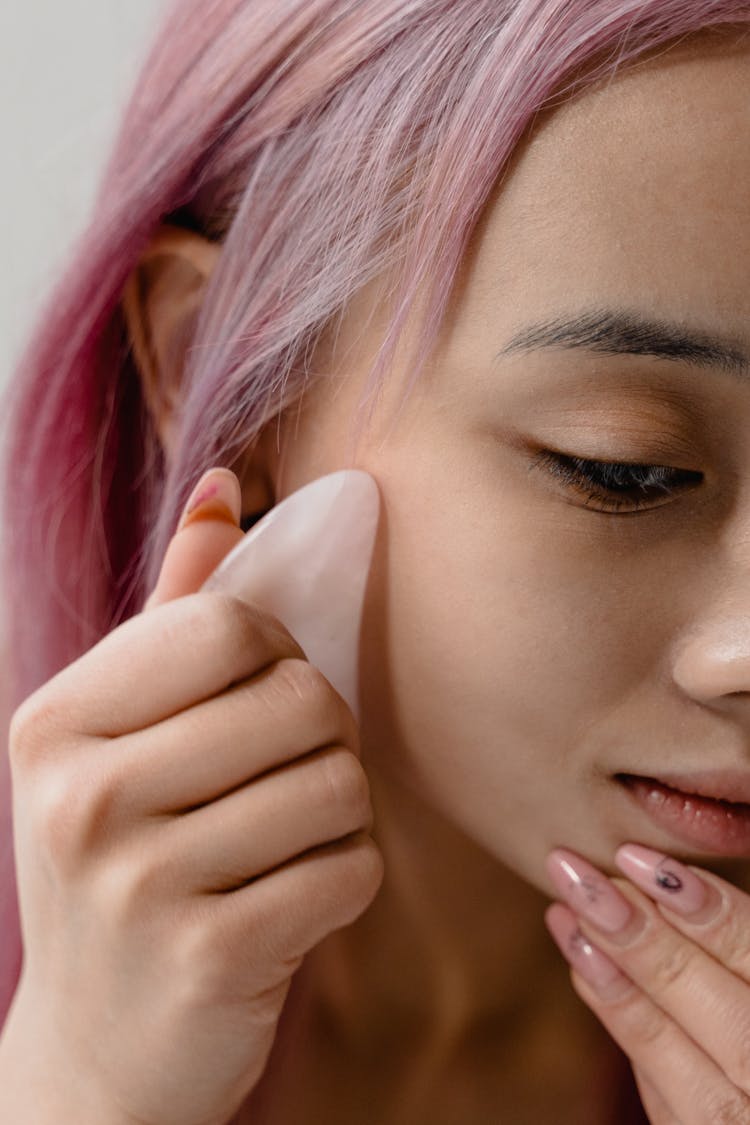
[(668, 974)]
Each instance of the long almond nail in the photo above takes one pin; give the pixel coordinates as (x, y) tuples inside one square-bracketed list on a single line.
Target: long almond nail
[(593, 965), (668, 881), (588, 890)]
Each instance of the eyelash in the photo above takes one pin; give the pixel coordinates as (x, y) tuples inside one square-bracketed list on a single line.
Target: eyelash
[(605, 480)]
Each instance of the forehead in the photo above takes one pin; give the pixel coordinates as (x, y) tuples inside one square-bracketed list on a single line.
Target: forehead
[(636, 189)]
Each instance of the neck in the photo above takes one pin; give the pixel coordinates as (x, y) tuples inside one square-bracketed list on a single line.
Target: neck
[(453, 942)]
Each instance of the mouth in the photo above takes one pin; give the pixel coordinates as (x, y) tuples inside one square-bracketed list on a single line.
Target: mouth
[(705, 810)]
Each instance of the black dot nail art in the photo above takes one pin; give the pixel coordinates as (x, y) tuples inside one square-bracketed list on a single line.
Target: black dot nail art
[(667, 880)]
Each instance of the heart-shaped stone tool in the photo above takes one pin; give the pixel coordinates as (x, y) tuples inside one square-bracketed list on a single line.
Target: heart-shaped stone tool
[(307, 562)]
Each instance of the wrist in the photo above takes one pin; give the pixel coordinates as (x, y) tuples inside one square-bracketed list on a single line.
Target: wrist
[(35, 1088)]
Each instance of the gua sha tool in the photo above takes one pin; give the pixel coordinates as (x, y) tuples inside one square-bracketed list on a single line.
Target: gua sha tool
[(307, 562)]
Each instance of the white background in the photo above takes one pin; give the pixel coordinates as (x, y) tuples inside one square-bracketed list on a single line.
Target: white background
[(66, 66)]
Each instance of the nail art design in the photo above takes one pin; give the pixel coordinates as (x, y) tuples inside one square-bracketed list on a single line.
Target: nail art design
[(667, 879), (592, 964), (588, 890)]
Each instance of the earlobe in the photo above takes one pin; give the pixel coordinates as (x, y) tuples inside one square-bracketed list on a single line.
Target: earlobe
[(160, 303)]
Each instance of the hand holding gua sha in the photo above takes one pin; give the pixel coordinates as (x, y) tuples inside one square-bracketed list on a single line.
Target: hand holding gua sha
[(307, 562)]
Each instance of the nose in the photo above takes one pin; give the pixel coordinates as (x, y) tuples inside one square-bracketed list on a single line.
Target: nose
[(712, 664)]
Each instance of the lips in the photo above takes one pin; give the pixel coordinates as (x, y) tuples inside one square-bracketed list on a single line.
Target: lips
[(701, 815), (720, 785)]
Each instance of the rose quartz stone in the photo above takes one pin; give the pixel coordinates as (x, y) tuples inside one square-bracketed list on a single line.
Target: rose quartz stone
[(307, 562)]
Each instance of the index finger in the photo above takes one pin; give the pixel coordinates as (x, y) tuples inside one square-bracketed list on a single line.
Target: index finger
[(157, 664), (704, 907), (695, 976)]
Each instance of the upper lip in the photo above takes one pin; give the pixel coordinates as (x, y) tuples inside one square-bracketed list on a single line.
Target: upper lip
[(721, 785)]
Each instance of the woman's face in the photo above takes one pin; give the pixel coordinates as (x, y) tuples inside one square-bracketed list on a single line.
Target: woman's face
[(524, 640)]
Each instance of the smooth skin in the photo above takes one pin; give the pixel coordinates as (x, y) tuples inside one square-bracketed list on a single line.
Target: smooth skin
[(522, 640)]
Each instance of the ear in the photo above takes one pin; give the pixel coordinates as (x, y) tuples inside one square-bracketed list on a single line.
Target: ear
[(160, 302)]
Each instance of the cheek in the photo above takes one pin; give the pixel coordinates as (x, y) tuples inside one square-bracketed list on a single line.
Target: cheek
[(510, 610), (510, 634)]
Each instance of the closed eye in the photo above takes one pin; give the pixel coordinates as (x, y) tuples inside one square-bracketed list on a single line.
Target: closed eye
[(617, 484)]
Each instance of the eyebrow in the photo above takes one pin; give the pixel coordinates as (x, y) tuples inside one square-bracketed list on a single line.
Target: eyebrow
[(622, 332)]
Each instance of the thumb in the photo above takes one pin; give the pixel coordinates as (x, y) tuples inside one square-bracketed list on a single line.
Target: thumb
[(207, 531)]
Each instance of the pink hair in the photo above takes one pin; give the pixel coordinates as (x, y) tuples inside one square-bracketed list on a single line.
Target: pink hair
[(321, 142)]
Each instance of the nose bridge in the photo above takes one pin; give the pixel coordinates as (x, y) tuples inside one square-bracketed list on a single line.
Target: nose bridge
[(712, 661)]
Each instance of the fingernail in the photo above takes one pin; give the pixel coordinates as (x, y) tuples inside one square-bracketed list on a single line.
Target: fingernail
[(668, 881), (217, 495), (593, 965), (588, 890)]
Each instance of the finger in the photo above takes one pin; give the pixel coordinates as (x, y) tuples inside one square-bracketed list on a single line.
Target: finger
[(285, 711), (708, 1000), (690, 1084), (658, 1110), (137, 675), (290, 910), (694, 1087), (219, 847), (203, 538), (705, 908)]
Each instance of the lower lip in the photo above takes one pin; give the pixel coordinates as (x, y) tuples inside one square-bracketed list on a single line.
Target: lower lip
[(716, 826)]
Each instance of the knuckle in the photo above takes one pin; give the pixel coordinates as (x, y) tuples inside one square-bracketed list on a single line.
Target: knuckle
[(203, 959), (218, 934), (197, 976), (19, 724), (671, 963), (658, 1111), (364, 876), (731, 939), (219, 623), (72, 815), (237, 622), (53, 818), (281, 636), (738, 1070), (727, 1108), (337, 893), (325, 712), (34, 727), (268, 944), (642, 1022), (371, 863), (268, 1000), (240, 619), (349, 727), (242, 623), (269, 948), (324, 703), (346, 782), (303, 680)]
